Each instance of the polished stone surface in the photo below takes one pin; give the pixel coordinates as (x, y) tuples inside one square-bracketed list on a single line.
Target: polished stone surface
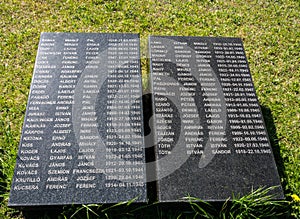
[(211, 141), (82, 139)]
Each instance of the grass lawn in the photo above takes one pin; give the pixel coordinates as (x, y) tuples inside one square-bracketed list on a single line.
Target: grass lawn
[(270, 31)]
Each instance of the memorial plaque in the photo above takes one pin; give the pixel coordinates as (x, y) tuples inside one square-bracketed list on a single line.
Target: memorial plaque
[(211, 141), (82, 140)]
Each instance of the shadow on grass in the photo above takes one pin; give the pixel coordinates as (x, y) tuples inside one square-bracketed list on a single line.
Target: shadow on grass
[(271, 129), (3, 177), (3, 181), (270, 125)]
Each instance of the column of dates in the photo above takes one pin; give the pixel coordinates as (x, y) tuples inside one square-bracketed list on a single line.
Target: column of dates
[(124, 156), (243, 111)]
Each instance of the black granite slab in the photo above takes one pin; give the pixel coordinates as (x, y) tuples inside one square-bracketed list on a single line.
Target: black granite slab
[(82, 139), (211, 141)]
